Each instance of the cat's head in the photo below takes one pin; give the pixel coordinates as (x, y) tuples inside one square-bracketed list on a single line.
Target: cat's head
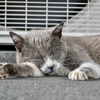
[(46, 49)]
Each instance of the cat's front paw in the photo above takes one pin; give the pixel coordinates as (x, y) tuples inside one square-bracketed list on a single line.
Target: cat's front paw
[(62, 71), (78, 75), (3, 74)]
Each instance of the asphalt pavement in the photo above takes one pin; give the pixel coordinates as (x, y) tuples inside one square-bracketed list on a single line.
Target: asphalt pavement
[(49, 88)]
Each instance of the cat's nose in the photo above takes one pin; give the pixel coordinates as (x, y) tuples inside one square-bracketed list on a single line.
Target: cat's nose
[(51, 67)]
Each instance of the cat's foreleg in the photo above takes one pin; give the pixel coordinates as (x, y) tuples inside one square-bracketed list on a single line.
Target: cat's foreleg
[(84, 71), (24, 69)]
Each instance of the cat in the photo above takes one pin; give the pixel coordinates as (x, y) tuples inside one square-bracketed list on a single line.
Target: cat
[(48, 53)]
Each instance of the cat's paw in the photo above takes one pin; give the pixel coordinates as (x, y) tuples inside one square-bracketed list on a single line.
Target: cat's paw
[(62, 71), (77, 75), (3, 74)]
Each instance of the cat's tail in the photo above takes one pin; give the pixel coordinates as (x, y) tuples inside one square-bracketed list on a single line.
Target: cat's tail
[(92, 69)]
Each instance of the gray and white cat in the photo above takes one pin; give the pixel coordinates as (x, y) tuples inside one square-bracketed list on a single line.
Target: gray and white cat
[(49, 53)]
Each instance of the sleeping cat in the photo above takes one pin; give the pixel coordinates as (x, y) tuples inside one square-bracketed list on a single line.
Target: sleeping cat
[(48, 53)]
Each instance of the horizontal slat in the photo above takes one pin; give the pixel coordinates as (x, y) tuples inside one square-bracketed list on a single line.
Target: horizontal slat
[(21, 23), (24, 27), (61, 7), (55, 15), (64, 29), (29, 2), (23, 19), (85, 29), (93, 14), (50, 11), (91, 11)]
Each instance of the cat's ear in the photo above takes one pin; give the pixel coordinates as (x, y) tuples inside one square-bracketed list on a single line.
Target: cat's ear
[(18, 40), (58, 30)]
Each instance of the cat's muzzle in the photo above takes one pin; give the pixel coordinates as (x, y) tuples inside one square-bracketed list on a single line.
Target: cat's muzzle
[(48, 70)]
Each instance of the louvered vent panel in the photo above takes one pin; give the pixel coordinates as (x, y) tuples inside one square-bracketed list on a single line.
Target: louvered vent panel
[(23, 15)]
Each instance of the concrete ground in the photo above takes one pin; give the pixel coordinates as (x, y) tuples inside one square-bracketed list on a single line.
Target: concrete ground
[(46, 88), (49, 88)]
